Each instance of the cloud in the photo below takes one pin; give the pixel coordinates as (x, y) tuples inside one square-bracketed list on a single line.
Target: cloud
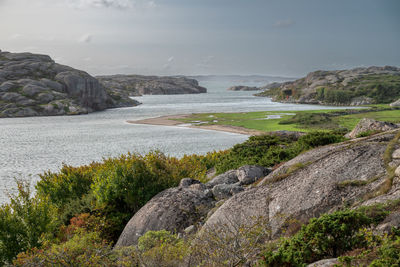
[(205, 62), (284, 23), (87, 38), (15, 36), (118, 4), (169, 63)]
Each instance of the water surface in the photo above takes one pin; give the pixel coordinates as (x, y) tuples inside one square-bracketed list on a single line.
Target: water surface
[(30, 146)]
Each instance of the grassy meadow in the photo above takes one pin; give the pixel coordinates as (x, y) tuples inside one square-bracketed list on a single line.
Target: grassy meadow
[(305, 121)]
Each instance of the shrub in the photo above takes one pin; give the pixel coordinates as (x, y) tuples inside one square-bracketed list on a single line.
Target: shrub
[(162, 248), (117, 187), (264, 150), (231, 244), (269, 150), (83, 249), (24, 223), (327, 236), (308, 119), (318, 138), (367, 133), (388, 253)]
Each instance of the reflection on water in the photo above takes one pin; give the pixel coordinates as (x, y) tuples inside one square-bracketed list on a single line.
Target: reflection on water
[(30, 146)]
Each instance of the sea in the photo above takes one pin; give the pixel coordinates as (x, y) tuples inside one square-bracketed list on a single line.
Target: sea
[(30, 146)]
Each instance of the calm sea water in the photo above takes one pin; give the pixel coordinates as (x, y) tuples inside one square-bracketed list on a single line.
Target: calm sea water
[(29, 146)]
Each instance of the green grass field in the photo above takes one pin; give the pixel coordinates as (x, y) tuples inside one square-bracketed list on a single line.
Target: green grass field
[(312, 120)]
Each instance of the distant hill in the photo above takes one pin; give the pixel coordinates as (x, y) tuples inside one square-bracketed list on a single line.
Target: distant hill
[(136, 85), (357, 86), (242, 79)]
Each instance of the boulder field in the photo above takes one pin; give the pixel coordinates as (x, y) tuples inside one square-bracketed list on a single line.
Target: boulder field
[(34, 85)]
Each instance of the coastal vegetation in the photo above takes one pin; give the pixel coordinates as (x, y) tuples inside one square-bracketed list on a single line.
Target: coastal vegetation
[(77, 214), (102, 196)]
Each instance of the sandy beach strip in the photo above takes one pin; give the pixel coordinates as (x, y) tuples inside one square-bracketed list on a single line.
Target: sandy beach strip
[(171, 121)]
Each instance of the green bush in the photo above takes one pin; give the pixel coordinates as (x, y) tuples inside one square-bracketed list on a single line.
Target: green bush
[(367, 133), (381, 251), (83, 249), (24, 223), (327, 236), (264, 150), (117, 187), (162, 248), (308, 119), (388, 253), (318, 138), (269, 150)]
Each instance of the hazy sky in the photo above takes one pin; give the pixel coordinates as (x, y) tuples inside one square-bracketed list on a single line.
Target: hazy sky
[(279, 37)]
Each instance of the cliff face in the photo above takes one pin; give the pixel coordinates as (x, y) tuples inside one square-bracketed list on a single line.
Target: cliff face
[(357, 86), (34, 85), (136, 85)]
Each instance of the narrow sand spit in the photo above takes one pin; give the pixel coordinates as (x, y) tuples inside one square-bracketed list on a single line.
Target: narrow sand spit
[(171, 121)]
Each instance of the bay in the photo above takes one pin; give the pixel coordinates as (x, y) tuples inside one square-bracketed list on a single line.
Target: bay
[(30, 146)]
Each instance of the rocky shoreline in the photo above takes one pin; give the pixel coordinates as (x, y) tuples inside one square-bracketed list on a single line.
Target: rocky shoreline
[(34, 85)]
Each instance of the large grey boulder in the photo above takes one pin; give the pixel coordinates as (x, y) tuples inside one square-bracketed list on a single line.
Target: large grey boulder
[(224, 191), (392, 220), (315, 182), (397, 171), (229, 177), (325, 263), (368, 125), (174, 210), (248, 174), (395, 103)]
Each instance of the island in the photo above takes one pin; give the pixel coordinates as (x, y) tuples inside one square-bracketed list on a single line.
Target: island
[(137, 85), (243, 88), (359, 86)]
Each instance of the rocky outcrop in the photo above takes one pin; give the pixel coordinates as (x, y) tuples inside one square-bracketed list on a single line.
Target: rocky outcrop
[(367, 125), (325, 263), (177, 209), (136, 85), (34, 85), (315, 182), (395, 103), (359, 86), (243, 88)]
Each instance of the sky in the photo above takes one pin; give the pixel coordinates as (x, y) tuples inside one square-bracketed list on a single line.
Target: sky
[(190, 37)]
